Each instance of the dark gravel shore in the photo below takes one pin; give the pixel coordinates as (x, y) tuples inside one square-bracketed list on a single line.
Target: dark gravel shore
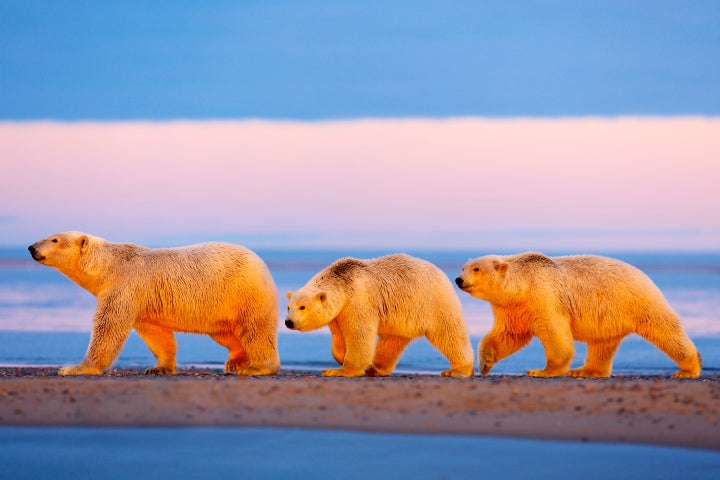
[(652, 410)]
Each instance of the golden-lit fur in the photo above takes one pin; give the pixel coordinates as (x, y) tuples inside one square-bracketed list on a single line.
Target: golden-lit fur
[(219, 289), (587, 298), (374, 308)]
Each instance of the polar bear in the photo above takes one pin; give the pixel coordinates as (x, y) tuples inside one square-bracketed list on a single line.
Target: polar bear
[(374, 308), (219, 289), (587, 298)]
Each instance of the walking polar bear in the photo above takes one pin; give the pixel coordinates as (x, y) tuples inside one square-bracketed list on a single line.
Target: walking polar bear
[(374, 308), (219, 289), (587, 298)]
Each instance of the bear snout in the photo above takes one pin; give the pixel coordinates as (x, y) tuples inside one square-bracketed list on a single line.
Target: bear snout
[(35, 254), (459, 282), (289, 324)]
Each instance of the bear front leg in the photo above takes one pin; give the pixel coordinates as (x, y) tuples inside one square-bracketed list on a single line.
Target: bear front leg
[(499, 343), (557, 339), (111, 327), (337, 347), (359, 350)]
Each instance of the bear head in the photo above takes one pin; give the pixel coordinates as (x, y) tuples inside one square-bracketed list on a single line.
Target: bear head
[(483, 277), (81, 257), (60, 250), (308, 309)]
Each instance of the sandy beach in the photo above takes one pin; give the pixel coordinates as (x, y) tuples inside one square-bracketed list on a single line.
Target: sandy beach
[(645, 410)]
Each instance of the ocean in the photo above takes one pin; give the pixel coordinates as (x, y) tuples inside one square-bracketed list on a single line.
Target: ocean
[(45, 319), (290, 453)]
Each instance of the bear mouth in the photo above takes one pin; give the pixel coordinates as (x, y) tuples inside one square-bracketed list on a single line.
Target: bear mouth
[(461, 283), (37, 256), (35, 253)]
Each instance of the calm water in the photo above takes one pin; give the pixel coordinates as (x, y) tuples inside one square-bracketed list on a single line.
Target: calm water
[(45, 319), (279, 453)]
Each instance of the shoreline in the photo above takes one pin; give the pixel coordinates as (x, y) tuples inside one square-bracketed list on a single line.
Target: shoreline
[(631, 409)]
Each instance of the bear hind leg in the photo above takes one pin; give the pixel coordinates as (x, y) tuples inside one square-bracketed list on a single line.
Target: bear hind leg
[(262, 359), (237, 358), (599, 359), (672, 340), (456, 347), (161, 343), (259, 341), (387, 353)]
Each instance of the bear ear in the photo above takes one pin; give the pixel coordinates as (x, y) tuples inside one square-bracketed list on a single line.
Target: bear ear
[(289, 295), (322, 296), (500, 267), (82, 242)]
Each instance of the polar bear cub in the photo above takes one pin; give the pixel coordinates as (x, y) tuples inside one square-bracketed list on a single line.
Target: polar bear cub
[(587, 298), (374, 308)]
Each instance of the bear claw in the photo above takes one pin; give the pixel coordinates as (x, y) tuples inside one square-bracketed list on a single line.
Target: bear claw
[(542, 373), (255, 371), (160, 371), (586, 373), (339, 372), (372, 371)]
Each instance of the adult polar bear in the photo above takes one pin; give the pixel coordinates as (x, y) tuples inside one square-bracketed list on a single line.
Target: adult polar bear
[(219, 289), (374, 308), (588, 298)]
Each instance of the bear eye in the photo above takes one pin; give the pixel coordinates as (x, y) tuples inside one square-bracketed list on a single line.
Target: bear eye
[(54, 240), (476, 269), (302, 307)]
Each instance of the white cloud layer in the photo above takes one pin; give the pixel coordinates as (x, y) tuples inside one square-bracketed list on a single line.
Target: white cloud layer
[(589, 183)]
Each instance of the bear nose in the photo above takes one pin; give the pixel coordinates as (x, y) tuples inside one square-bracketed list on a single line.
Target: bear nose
[(459, 281), (289, 323), (35, 254)]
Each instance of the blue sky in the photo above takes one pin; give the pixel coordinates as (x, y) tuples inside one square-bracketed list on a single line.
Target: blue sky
[(127, 60), (496, 125)]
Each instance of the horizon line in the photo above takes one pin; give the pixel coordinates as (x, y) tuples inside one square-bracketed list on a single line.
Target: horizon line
[(359, 119)]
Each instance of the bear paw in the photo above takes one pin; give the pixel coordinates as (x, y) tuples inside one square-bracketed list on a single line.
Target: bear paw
[(157, 370), (685, 374), (372, 371), (543, 373), (342, 372), (79, 370), (458, 373), (487, 358), (251, 371), (587, 373), (235, 365), (485, 369)]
